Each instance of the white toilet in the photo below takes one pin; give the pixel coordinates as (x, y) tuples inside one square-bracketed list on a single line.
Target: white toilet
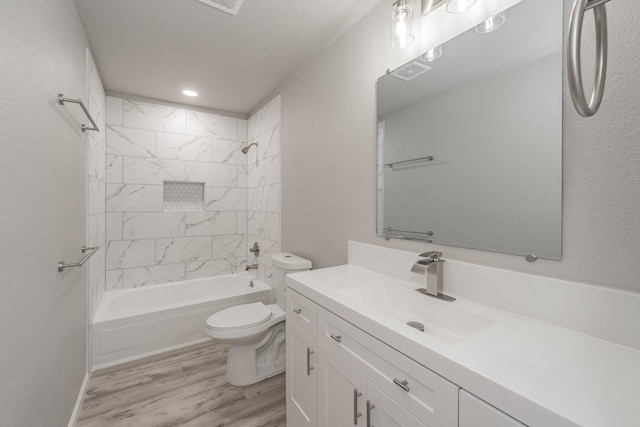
[(255, 332)]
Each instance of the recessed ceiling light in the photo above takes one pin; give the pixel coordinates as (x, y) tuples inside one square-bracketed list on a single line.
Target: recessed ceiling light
[(190, 92)]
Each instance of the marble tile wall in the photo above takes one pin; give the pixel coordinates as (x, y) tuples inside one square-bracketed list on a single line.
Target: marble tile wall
[(147, 144), (263, 185), (95, 152)]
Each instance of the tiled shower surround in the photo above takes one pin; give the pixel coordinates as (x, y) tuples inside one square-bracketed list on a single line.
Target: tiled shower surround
[(148, 144), (264, 185)]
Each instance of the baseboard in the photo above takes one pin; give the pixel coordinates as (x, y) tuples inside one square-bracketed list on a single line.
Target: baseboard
[(150, 353), (76, 409)]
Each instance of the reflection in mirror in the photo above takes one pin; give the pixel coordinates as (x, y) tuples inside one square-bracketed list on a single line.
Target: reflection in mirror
[(470, 143)]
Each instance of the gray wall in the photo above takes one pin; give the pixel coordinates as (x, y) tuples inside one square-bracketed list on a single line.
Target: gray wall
[(329, 153), (42, 219)]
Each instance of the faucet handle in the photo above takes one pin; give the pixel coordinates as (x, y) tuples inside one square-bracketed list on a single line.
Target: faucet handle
[(434, 255)]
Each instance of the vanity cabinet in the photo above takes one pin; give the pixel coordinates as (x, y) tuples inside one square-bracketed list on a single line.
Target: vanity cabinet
[(383, 411), (477, 413), (422, 393), (301, 374), (342, 391), (355, 378)]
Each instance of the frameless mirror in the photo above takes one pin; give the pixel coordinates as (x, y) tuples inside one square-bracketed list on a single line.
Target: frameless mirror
[(470, 144)]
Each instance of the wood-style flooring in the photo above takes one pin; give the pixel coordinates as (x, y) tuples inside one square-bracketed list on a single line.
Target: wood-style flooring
[(184, 387)]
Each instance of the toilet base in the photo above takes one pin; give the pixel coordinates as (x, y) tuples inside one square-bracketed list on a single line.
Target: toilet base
[(249, 364)]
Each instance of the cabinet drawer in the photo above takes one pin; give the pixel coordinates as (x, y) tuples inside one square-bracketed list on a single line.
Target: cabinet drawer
[(430, 398), (302, 311)]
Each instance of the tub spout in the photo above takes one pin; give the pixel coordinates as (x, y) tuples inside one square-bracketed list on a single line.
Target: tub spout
[(251, 267)]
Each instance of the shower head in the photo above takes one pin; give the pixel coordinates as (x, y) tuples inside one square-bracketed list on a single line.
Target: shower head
[(245, 150)]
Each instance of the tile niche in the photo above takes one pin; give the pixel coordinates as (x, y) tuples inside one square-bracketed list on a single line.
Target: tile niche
[(149, 146)]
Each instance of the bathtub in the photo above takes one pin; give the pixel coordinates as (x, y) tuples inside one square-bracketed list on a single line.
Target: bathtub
[(134, 323)]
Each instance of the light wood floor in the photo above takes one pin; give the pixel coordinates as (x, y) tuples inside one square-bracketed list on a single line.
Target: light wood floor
[(185, 387)]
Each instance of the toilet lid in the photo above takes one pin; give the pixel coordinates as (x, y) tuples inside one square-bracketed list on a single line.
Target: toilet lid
[(240, 316)]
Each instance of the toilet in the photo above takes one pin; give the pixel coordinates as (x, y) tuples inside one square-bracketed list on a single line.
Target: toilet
[(255, 332)]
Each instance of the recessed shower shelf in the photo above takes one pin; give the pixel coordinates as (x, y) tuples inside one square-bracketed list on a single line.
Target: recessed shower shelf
[(183, 196)]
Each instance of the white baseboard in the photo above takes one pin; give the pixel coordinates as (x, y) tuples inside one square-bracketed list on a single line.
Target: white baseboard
[(76, 409)]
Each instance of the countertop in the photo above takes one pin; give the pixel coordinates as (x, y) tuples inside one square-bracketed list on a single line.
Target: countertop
[(541, 374)]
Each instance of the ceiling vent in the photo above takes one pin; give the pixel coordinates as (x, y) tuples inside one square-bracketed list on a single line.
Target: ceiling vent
[(410, 71), (230, 6)]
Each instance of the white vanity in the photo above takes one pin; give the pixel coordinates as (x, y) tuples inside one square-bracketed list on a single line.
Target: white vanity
[(353, 360)]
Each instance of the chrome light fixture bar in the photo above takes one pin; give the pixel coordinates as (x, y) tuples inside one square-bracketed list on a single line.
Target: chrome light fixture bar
[(429, 6)]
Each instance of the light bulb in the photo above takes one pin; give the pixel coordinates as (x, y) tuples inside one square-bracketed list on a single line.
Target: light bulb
[(401, 20), (189, 92), (458, 6), (491, 24)]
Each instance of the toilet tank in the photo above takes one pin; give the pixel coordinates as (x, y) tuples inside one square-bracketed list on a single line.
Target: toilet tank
[(282, 264)]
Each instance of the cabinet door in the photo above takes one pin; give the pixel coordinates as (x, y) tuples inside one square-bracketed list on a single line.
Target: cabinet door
[(341, 392), (302, 378), (477, 413), (382, 411)]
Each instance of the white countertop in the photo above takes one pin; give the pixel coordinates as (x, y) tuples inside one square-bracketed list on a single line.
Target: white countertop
[(541, 374)]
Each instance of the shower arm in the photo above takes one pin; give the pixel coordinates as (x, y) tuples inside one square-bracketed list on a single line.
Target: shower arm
[(245, 150)]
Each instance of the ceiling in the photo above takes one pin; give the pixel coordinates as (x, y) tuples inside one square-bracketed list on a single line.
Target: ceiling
[(157, 48)]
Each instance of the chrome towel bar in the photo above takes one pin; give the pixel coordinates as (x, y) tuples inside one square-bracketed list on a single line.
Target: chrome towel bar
[(404, 162), (62, 100), (62, 265), (389, 234), (584, 108)]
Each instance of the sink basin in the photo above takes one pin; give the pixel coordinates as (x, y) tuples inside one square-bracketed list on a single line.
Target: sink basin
[(399, 305)]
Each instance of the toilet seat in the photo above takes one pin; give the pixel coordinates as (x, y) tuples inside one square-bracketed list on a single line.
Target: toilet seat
[(239, 317), (240, 331)]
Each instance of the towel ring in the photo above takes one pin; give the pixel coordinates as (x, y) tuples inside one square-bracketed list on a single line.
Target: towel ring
[(573, 57)]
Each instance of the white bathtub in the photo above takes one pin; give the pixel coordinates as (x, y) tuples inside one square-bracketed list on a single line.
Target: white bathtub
[(134, 323)]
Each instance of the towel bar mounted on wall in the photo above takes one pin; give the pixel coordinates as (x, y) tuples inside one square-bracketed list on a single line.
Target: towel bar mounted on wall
[(62, 100), (411, 161), (62, 265), (587, 109), (390, 233)]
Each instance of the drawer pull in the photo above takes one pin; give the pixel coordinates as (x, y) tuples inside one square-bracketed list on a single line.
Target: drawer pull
[(370, 406), (336, 338), (356, 414), (402, 384), (297, 310), (309, 367)]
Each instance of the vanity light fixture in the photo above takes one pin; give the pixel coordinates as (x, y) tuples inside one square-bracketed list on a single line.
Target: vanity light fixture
[(491, 24), (429, 6), (431, 55), (189, 92), (458, 6), (401, 24)]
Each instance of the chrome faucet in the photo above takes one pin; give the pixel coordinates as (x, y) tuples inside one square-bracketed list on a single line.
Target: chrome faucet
[(251, 267), (431, 267)]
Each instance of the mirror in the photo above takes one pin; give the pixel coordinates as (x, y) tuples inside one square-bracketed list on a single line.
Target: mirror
[(470, 145)]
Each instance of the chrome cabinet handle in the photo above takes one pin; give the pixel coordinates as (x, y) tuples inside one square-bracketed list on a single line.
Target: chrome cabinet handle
[(309, 367), (370, 406), (297, 310), (336, 338), (402, 384), (356, 414)]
